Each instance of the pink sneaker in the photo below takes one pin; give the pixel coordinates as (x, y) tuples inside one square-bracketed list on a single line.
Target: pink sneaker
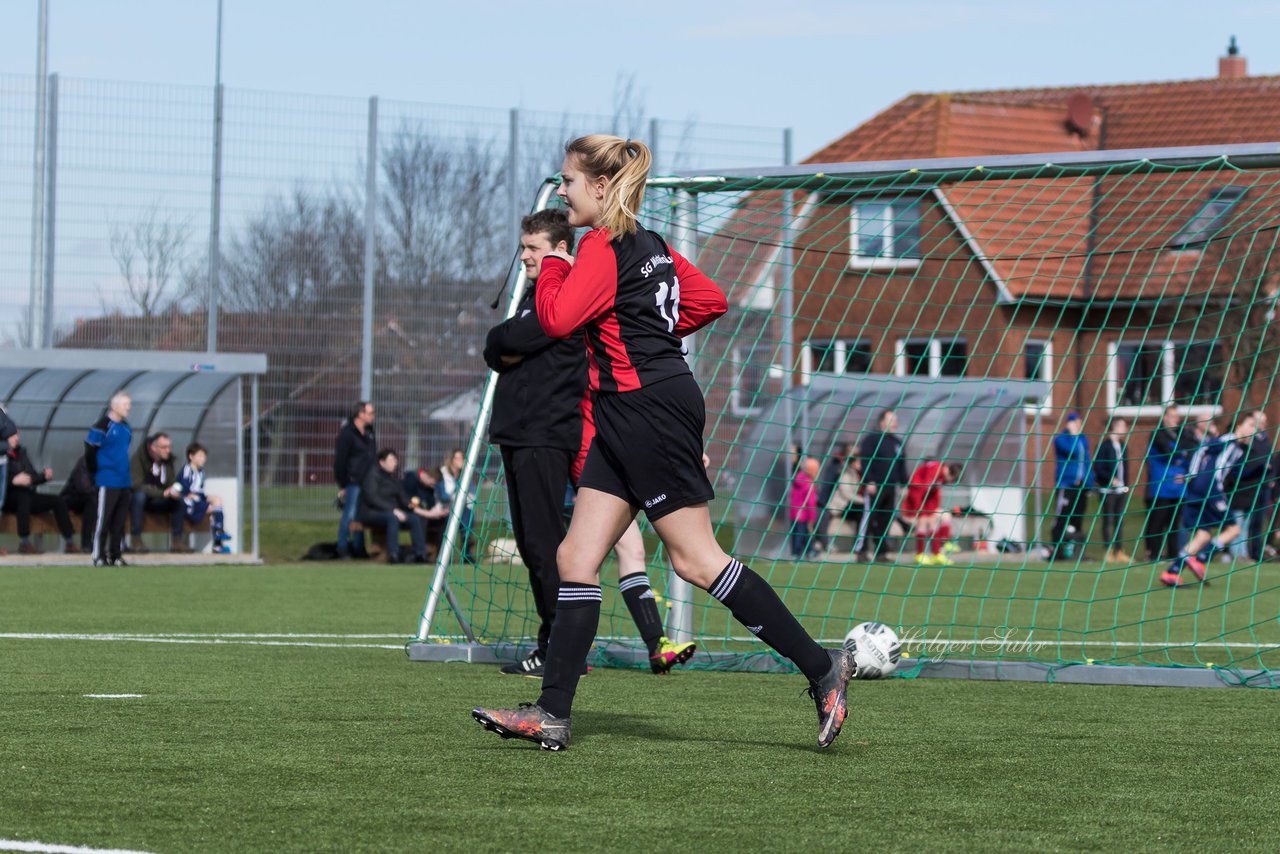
[(1196, 567), (1170, 579)]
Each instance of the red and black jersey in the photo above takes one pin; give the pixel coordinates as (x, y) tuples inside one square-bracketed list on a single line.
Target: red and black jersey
[(635, 298)]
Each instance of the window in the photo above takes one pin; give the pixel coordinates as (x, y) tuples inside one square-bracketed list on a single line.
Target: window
[(750, 384), (932, 357), (884, 234), (1037, 364), (1144, 376), (1212, 215), (837, 356)]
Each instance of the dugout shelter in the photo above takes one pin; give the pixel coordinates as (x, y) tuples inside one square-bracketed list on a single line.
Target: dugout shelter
[(55, 395)]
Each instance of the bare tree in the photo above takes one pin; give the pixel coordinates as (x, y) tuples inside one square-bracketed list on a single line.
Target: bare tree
[(150, 253)]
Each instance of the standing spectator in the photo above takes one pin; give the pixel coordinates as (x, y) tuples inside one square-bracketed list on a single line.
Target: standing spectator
[(1252, 496), (106, 454), (353, 457), (922, 507), (827, 480), (884, 469), (1071, 450), (196, 503), (803, 509), (1111, 474), (22, 500), (450, 474), (420, 486), (1167, 456), (81, 496), (385, 504), (153, 479)]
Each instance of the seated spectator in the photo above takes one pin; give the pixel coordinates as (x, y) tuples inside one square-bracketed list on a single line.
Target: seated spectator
[(803, 509), (922, 508), (22, 500), (81, 496), (153, 478), (450, 474), (847, 503), (384, 504), (420, 486), (196, 502)]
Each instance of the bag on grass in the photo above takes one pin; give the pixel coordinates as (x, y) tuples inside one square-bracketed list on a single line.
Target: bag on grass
[(322, 551)]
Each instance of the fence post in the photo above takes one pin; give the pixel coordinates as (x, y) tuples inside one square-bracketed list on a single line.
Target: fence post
[(513, 176), (213, 296), (35, 310), (653, 146), (50, 212), (370, 256), (788, 303)]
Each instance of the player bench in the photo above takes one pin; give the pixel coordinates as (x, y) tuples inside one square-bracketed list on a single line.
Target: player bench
[(44, 523)]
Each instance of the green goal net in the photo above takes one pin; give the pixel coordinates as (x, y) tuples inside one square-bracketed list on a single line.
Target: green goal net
[(1000, 307)]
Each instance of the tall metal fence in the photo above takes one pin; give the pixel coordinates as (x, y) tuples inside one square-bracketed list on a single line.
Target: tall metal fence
[(323, 204)]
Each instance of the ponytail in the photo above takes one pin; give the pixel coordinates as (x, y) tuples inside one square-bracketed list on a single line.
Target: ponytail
[(626, 163)]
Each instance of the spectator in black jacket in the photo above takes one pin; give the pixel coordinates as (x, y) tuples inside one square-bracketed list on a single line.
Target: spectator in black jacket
[(1167, 457), (153, 475), (537, 424), (1251, 499), (1111, 475), (827, 480), (7, 429), (884, 469), (353, 457), (385, 504), (81, 496), (420, 486), (22, 500)]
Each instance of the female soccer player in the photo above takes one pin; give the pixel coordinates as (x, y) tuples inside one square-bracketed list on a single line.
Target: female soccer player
[(635, 298)]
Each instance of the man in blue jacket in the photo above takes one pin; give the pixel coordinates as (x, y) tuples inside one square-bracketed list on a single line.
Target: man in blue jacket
[(1167, 457), (1073, 478), (106, 454)]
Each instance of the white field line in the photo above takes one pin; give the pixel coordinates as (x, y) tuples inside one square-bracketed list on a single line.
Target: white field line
[(46, 848), (212, 641), (112, 696)]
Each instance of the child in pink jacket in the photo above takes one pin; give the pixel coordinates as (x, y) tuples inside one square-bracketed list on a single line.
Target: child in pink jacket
[(803, 508)]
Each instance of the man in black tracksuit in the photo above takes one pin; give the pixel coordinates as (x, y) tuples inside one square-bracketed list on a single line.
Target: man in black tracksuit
[(884, 469), (1251, 495), (536, 421)]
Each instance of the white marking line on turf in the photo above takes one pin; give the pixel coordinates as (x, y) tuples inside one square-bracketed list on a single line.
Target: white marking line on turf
[(112, 696), (212, 641), (46, 848)]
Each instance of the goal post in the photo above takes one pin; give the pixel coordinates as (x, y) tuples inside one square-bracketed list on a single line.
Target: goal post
[(996, 304)]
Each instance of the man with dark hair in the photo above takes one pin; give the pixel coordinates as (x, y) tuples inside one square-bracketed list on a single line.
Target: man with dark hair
[(81, 496), (884, 469), (106, 454), (385, 504), (1167, 457), (1111, 474), (1252, 496), (7, 429), (153, 477), (353, 457), (22, 499), (420, 485), (1071, 451)]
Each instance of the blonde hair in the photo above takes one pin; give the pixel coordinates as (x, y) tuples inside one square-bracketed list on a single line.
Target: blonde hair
[(626, 163)]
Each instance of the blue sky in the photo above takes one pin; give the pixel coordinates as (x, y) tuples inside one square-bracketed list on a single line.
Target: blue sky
[(818, 66)]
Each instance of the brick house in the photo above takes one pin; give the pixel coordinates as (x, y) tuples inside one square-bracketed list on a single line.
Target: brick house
[(1125, 289)]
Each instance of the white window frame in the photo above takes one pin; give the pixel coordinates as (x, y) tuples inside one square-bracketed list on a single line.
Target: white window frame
[(1152, 410), (935, 355), (736, 406), (1046, 375), (842, 347), (878, 262)]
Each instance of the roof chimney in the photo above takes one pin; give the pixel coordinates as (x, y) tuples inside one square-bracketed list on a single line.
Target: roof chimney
[(1232, 66)]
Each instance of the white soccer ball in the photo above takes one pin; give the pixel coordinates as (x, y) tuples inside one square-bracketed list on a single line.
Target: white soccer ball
[(876, 649)]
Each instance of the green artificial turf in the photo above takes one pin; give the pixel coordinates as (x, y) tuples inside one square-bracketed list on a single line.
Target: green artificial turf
[(245, 745)]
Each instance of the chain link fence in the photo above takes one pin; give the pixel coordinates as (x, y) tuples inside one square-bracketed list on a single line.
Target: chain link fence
[(129, 256)]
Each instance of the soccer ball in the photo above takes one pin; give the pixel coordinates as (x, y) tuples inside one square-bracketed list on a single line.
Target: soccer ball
[(875, 649)]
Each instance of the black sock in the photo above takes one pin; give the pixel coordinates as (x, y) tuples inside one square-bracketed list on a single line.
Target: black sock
[(577, 617), (638, 595), (755, 604)]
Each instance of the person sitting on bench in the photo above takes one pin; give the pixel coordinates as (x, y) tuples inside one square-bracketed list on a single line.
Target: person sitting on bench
[(22, 500), (384, 504)]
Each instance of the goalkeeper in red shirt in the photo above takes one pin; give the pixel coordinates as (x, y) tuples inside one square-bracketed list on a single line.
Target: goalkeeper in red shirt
[(922, 507)]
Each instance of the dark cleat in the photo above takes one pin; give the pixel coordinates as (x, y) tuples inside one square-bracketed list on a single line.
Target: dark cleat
[(828, 695), (529, 722)]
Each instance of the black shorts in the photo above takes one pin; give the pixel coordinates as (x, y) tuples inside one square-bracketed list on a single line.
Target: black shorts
[(648, 447)]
